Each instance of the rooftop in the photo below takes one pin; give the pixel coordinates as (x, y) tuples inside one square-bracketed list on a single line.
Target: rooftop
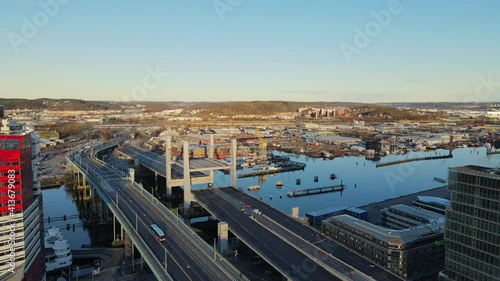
[(434, 200), (422, 213), (388, 235), (327, 211), (481, 169)]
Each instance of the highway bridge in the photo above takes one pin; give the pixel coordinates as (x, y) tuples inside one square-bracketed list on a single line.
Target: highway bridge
[(360, 265), (183, 255), (200, 171), (297, 251)]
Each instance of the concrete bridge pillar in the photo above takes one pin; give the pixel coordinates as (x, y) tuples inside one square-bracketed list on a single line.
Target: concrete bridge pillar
[(233, 163), (133, 256), (295, 212), (131, 175), (168, 161), (210, 151), (210, 154), (188, 197), (222, 235), (156, 181)]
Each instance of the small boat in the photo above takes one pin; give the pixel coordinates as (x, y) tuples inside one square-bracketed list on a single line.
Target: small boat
[(254, 187), (333, 176), (439, 180), (279, 183)]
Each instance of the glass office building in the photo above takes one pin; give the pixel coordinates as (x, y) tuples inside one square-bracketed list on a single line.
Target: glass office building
[(472, 231)]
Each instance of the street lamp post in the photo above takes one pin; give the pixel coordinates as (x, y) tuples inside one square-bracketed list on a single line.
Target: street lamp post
[(215, 252), (165, 259)]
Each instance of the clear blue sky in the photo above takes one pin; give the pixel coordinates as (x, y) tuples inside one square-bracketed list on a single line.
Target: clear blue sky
[(260, 50)]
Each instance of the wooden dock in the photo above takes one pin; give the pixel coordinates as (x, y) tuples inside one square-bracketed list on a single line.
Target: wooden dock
[(316, 190), (490, 152), (413, 159), (47, 183)]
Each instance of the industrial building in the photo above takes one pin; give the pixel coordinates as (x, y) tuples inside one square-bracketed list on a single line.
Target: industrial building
[(402, 216), (413, 253), (472, 231), (21, 212)]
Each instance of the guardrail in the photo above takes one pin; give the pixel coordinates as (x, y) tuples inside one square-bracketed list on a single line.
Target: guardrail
[(271, 262), (326, 260), (142, 247), (224, 266), (205, 248)]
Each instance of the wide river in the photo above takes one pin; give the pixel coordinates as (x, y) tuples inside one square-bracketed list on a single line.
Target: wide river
[(364, 184)]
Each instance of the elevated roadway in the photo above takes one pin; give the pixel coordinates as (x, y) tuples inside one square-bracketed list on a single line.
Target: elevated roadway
[(290, 261), (360, 265), (157, 164), (187, 256)]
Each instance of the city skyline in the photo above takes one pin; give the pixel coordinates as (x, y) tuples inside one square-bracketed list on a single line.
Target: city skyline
[(379, 51)]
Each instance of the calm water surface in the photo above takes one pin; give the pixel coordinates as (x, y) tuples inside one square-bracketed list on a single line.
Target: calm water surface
[(58, 202), (372, 184)]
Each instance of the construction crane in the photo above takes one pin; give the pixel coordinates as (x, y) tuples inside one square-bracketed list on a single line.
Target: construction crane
[(262, 153)]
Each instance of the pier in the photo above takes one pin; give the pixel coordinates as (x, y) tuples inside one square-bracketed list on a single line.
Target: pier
[(439, 180), (490, 152), (316, 190), (450, 155), (290, 166), (47, 183)]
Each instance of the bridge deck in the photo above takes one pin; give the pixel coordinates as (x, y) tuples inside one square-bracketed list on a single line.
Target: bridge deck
[(283, 256), (157, 163), (188, 258), (313, 236)]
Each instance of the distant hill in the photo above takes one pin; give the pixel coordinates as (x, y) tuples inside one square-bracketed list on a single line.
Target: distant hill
[(78, 104), (261, 107), (365, 111), (55, 104)]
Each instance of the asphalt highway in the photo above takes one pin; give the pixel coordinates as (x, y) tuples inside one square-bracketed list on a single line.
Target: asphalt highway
[(184, 260), (280, 254), (313, 236)]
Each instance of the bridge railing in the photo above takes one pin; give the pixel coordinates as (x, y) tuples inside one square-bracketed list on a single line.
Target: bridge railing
[(242, 238), (155, 265), (224, 265)]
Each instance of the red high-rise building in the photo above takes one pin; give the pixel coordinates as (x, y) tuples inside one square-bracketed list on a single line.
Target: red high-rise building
[(21, 209)]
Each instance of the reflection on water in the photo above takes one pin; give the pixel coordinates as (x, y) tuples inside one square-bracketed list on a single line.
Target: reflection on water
[(365, 183), (59, 202)]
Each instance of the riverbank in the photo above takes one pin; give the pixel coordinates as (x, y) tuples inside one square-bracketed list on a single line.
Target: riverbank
[(374, 208)]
